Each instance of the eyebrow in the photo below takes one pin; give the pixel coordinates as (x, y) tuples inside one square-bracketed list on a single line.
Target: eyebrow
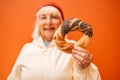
[(43, 14)]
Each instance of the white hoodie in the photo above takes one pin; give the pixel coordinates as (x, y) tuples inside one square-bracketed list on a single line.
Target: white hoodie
[(37, 62)]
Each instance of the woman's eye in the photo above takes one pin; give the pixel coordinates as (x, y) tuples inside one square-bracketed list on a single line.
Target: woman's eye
[(43, 17), (55, 17)]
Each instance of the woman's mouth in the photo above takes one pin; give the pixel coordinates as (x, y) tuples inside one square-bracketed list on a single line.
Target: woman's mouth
[(49, 28)]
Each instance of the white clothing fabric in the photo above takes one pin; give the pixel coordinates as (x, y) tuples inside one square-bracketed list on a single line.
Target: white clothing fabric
[(37, 62)]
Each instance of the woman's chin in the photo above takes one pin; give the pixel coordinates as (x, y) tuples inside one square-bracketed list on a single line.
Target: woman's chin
[(49, 37)]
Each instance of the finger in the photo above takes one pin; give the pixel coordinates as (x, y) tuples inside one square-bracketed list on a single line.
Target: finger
[(80, 61), (82, 54), (78, 64), (91, 57), (79, 58), (80, 49)]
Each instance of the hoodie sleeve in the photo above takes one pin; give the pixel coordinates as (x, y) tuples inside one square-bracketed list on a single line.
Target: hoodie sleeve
[(15, 73), (90, 73)]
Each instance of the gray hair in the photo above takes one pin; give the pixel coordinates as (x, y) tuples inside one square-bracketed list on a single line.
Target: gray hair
[(49, 9)]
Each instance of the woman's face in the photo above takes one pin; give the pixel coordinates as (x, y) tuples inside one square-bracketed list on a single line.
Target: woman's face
[(48, 23)]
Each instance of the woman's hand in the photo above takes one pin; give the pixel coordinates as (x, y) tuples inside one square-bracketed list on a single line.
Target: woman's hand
[(82, 57)]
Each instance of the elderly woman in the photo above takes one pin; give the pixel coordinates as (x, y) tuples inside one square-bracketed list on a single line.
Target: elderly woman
[(41, 60)]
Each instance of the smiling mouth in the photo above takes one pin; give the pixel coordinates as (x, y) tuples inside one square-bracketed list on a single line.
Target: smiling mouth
[(49, 28)]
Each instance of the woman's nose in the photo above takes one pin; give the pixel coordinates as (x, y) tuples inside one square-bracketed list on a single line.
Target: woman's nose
[(48, 21)]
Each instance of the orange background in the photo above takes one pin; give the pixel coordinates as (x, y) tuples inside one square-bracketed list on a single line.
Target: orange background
[(17, 18)]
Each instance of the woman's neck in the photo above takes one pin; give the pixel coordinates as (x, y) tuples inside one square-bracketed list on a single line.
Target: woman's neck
[(47, 43)]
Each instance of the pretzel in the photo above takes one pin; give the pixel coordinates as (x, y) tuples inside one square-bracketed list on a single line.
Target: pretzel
[(72, 24)]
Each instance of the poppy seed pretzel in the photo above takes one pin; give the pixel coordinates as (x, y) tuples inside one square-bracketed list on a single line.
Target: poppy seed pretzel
[(72, 24)]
